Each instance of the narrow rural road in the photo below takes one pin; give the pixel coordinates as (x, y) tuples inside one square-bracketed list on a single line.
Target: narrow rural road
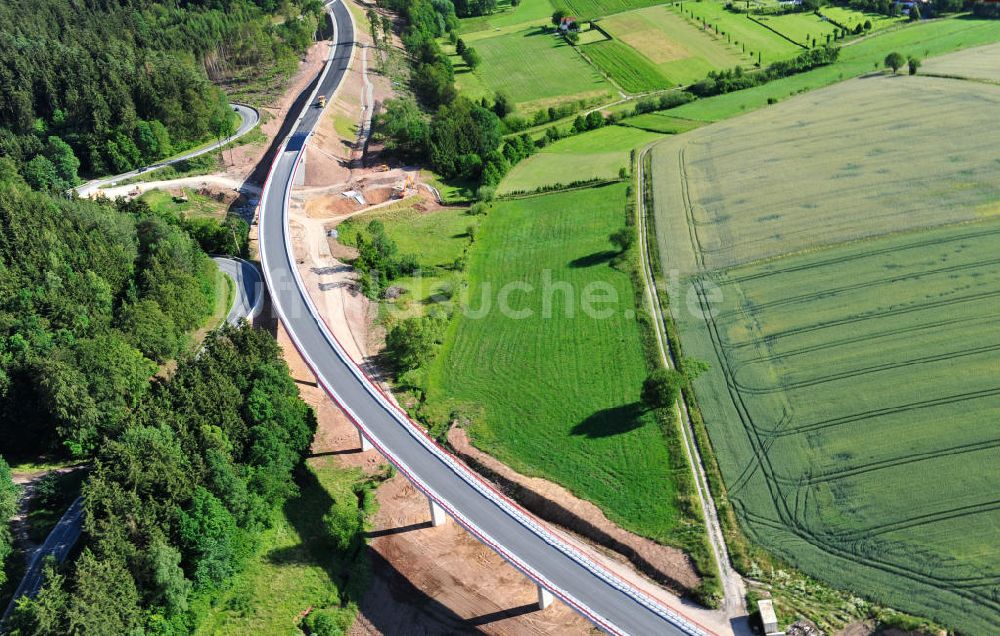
[(521, 539), (249, 298), (247, 303), (733, 587), (57, 545), (249, 118)]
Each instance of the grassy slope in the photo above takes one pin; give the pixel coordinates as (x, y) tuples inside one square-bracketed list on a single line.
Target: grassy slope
[(662, 123), (295, 568), (922, 40), (598, 154), (557, 396), (197, 205), (534, 68)]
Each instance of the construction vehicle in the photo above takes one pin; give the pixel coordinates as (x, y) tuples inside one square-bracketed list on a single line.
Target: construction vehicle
[(322, 102), (400, 190)]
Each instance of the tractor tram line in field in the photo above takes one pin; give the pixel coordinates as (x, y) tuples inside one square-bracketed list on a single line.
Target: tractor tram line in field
[(834, 364), (790, 521), (839, 544)]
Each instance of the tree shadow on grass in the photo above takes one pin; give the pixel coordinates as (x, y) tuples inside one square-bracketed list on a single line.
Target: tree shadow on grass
[(593, 259), (613, 421), (304, 513)]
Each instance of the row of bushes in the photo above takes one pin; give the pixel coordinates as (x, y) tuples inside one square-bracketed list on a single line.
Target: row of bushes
[(727, 81)]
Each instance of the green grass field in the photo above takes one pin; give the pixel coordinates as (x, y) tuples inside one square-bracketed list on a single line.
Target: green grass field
[(981, 63), (851, 18), (924, 40), (554, 394), (842, 282), (296, 570), (197, 205), (598, 154), (534, 68), (742, 32), (683, 52), (631, 71), (813, 165), (437, 238), (529, 11), (662, 123), (804, 28), (589, 9)]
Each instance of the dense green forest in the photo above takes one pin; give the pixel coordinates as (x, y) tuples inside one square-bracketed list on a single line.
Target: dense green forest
[(177, 499), (104, 86), (8, 506), (92, 296)]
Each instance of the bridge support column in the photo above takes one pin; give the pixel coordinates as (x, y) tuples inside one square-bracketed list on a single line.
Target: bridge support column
[(544, 598), (438, 518), (363, 442)]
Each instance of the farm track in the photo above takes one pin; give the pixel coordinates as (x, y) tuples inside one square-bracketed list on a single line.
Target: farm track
[(733, 587)]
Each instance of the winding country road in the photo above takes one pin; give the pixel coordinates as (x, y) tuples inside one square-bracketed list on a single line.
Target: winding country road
[(249, 298), (249, 118), (518, 537)]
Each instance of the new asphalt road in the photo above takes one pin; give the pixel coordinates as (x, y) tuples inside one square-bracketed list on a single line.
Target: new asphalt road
[(249, 118), (249, 296), (514, 534)]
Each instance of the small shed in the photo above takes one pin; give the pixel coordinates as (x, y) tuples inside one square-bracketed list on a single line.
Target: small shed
[(767, 616)]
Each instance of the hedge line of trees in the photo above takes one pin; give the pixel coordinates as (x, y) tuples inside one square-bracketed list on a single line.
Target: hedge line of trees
[(92, 296), (719, 82), (178, 497), (985, 9), (104, 87)]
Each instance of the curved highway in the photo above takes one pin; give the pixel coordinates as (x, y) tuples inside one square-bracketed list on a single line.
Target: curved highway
[(496, 521), (249, 294), (249, 118)]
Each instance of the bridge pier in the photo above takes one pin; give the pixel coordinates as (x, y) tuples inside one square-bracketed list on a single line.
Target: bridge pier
[(438, 518), (363, 442), (544, 598)]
